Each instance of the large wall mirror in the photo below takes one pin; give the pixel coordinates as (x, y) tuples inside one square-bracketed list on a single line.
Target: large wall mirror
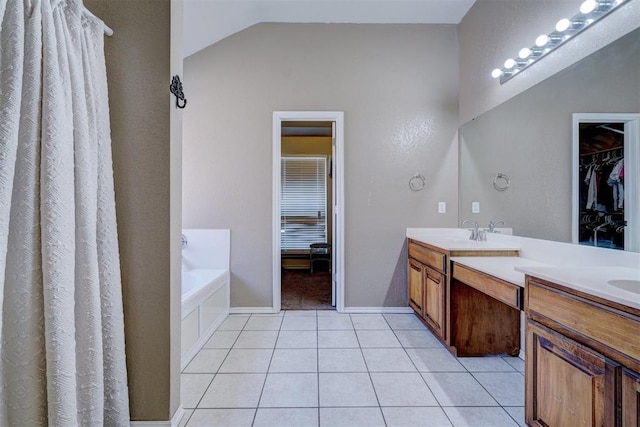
[(529, 140)]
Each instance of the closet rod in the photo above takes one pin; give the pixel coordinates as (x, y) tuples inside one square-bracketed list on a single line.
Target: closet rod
[(602, 151)]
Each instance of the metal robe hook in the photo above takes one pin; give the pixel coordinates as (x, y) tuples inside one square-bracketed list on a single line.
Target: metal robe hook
[(176, 89)]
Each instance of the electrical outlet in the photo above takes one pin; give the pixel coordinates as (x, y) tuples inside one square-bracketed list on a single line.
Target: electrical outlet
[(442, 207), (475, 207)]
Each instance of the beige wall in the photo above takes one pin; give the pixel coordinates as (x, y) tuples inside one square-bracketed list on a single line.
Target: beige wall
[(397, 85), (146, 148), (494, 30)]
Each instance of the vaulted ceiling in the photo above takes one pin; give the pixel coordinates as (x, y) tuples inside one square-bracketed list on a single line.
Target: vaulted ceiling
[(209, 21)]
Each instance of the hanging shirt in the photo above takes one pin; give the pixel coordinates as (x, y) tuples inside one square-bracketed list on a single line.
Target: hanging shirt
[(592, 180)]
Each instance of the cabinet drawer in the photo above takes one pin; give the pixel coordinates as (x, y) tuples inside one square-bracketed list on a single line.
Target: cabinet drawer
[(591, 319), (428, 257), (505, 292)]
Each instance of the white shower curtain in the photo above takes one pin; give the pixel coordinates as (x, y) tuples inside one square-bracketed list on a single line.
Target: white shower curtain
[(62, 348)]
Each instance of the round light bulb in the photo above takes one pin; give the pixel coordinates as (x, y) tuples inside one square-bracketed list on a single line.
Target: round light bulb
[(496, 73), (563, 25), (509, 63), (542, 40), (588, 6), (524, 52)]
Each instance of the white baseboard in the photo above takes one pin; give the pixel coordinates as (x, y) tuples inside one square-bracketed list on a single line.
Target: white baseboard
[(252, 310), (173, 422), (378, 310)]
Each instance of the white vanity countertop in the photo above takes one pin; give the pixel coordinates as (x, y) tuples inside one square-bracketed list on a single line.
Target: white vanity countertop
[(456, 239), (591, 280), (501, 267)]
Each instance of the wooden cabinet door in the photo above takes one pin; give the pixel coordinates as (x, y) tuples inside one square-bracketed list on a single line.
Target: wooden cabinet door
[(630, 398), (416, 286), (434, 302), (566, 383)]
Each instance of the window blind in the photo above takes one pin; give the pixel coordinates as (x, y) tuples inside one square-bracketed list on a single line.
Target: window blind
[(303, 202)]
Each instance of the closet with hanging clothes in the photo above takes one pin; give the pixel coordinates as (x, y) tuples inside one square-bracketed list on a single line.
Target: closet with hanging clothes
[(601, 176)]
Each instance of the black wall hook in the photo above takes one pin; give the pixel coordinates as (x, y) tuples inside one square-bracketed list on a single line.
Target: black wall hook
[(176, 89)]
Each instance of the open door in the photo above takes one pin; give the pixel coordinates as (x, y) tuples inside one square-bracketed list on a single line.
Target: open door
[(335, 166), (334, 211)]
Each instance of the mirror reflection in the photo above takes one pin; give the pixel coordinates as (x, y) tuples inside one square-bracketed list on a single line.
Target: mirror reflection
[(529, 140)]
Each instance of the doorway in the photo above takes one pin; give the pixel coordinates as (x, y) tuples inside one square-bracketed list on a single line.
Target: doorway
[(606, 164), (308, 193)]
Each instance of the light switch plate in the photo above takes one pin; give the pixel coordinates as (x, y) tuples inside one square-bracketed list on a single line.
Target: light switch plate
[(442, 207), (475, 207)]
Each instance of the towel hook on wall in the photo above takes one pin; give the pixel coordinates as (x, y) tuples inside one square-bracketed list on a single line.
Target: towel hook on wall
[(417, 182), (176, 89), (501, 182)]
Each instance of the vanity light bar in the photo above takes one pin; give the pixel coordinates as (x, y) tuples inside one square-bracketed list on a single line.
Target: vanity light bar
[(590, 12)]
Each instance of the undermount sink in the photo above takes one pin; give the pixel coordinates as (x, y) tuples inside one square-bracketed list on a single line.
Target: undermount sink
[(626, 284)]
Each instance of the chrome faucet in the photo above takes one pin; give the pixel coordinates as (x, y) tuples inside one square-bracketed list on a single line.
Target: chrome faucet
[(476, 234), (184, 241), (492, 226)]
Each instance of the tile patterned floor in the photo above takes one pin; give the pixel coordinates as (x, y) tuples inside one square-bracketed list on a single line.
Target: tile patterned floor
[(321, 368)]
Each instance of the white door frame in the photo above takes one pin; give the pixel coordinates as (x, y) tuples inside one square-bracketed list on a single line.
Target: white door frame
[(338, 197)]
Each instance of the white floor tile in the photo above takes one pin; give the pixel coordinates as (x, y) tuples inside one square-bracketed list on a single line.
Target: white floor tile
[(346, 389), (402, 389), (263, 323), (297, 339), (516, 362), (233, 391), (517, 413), (341, 360), (247, 361), (323, 313), (388, 360), (485, 364), (377, 339), (286, 417), (234, 322), (300, 313), (279, 314), (506, 387), (340, 322), (458, 389), (404, 321), (192, 388), (299, 323), (418, 339), (222, 339), (369, 321), (290, 391), (207, 361), (294, 360), (337, 339), (256, 339), (185, 417), (221, 417), (434, 360), (479, 417), (415, 417), (351, 417)]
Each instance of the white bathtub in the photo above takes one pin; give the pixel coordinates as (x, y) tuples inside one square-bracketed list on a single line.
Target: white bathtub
[(205, 291)]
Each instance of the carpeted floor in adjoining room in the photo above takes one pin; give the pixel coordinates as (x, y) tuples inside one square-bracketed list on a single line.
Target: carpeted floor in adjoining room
[(302, 290)]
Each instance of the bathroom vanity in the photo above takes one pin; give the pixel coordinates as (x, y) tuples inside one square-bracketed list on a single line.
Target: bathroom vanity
[(582, 346), (582, 350), (468, 321)]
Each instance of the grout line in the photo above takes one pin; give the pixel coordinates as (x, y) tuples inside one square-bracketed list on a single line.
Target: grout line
[(266, 376)]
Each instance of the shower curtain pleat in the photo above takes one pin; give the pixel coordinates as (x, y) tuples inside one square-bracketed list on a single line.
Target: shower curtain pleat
[(63, 358)]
